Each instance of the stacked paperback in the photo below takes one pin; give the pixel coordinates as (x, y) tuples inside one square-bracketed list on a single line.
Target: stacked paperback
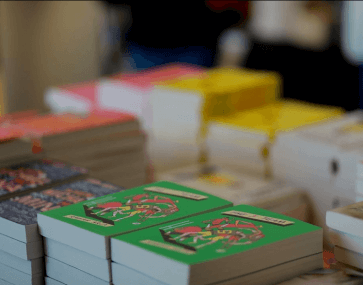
[(359, 182), (78, 236), (346, 235), (109, 144), (16, 151), (236, 245), (322, 158), (22, 197), (166, 233)]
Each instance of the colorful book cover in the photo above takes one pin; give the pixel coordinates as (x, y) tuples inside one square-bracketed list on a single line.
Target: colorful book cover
[(35, 175), (124, 212), (213, 236), (23, 210), (217, 234)]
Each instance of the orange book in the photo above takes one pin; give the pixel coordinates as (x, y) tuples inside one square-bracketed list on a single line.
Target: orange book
[(53, 124)]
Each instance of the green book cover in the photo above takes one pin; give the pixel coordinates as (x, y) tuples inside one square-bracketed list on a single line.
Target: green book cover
[(127, 211), (217, 234)]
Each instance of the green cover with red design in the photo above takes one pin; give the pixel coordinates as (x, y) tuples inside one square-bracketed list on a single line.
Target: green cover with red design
[(214, 235), (136, 208)]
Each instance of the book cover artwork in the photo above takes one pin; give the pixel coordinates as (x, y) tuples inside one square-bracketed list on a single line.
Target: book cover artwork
[(221, 232), (140, 206), (137, 208), (23, 210), (34, 174)]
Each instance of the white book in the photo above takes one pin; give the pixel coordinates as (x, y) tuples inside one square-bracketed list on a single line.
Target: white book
[(272, 275), (123, 96), (345, 240), (31, 267), (17, 277), (321, 158), (348, 219), (26, 251), (3, 282), (349, 257), (61, 100), (360, 169), (81, 260), (359, 186), (51, 281), (222, 182), (69, 275)]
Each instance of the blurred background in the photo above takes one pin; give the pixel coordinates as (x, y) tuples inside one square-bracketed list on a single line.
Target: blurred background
[(54, 43)]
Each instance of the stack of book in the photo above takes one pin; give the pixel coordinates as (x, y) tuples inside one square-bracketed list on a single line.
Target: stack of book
[(22, 196), (243, 187), (77, 237), (325, 276), (345, 234), (109, 144), (359, 182), (16, 151), (236, 245)]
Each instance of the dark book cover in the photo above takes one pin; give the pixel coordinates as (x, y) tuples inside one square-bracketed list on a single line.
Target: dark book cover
[(23, 209), (35, 175)]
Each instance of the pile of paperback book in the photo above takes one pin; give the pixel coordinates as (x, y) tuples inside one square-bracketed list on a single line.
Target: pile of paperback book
[(166, 233)]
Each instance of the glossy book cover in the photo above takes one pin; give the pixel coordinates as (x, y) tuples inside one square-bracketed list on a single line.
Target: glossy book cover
[(136, 208), (216, 234), (36, 174), (23, 210)]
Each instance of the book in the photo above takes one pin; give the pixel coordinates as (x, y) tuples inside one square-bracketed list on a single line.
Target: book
[(36, 175), (31, 267), (69, 275), (17, 277), (272, 275), (244, 188), (345, 240), (23, 250), (359, 187), (360, 169), (217, 246), (219, 181), (330, 277), (59, 129), (348, 219), (3, 282), (18, 215), (51, 281), (123, 212), (15, 150), (322, 158), (88, 263), (349, 257)]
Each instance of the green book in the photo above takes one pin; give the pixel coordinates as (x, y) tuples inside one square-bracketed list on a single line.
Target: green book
[(88, 225), (217, 246)]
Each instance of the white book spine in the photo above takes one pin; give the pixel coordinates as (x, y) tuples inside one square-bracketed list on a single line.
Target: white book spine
[(346, 240), (358, 198), (360, 170)]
